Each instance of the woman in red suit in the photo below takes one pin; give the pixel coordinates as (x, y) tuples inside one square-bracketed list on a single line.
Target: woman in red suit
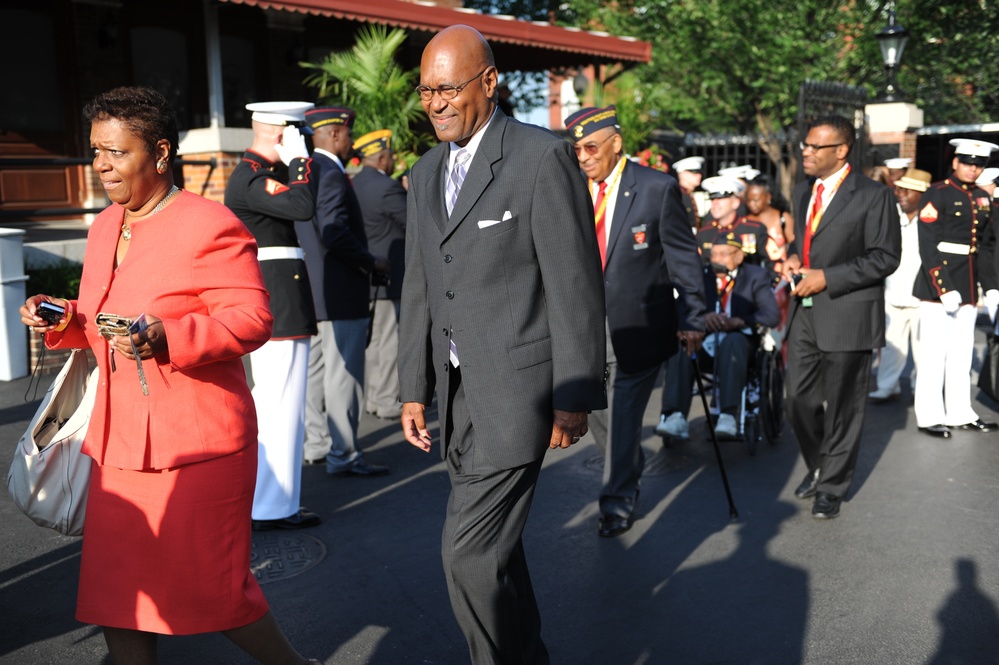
[(166, 547)]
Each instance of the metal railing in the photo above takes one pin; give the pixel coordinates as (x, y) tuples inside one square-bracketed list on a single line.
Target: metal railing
[(6, 162)]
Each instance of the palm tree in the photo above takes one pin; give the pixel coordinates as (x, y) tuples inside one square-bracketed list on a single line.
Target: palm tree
[(368, 79)]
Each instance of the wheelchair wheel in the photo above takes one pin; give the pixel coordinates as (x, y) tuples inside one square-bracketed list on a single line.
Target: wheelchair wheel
[(772, 396)]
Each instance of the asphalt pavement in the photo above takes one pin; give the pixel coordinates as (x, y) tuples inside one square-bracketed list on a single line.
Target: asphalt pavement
[(906, 575)]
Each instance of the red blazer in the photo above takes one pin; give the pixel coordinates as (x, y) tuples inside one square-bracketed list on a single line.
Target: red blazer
[(193, 265)]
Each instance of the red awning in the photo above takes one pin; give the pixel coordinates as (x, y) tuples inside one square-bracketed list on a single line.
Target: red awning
[(570, 42)]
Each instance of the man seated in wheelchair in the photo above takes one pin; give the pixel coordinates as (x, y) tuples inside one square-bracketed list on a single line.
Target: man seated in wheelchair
[(743, 302)]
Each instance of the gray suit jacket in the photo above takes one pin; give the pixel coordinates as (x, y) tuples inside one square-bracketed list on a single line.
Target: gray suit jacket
[(523, 297), (858, 243)]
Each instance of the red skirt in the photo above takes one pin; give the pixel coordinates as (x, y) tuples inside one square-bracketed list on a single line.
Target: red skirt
[(168, 551)]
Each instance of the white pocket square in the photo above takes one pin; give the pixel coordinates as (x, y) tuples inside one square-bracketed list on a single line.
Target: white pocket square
[(485, 223)]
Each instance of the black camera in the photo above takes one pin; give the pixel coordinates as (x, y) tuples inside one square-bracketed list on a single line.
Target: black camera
[(50, 312)]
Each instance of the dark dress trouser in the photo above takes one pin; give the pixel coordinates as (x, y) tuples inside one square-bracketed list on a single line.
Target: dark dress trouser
[(483, 554), (731, 372), (829, 438), (617, 431)]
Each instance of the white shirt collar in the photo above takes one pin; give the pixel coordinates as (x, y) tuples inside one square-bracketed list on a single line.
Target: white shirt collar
[(828, 183), (331, 156), (473, 144)]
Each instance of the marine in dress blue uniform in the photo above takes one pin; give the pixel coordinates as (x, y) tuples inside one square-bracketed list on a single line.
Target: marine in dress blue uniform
[(955, 245), (751, 234), (270, 188)]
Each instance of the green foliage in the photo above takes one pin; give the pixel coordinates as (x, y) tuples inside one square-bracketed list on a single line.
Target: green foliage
[(949, 65), (737, 65), (59, 280), (368, 79)]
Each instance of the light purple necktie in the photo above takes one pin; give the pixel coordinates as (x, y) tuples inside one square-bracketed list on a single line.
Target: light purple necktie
[(450, 196), (455, 179)]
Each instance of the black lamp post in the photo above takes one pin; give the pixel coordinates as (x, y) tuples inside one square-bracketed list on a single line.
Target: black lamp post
[(892, 40)]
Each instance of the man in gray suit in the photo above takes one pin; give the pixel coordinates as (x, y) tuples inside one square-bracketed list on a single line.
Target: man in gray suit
[(846, 242), (502, 315)]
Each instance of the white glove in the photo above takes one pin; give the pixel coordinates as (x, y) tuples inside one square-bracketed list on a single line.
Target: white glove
[(292, 145), (991, 303), (951, 301)]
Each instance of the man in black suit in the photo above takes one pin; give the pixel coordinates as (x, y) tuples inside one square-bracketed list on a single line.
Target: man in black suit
[(383, 202), (740, 299), (336, 250), (647, 248), (502, 314), (846, 242)]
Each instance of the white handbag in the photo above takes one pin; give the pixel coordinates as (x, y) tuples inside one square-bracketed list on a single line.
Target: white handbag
[(49, 476)]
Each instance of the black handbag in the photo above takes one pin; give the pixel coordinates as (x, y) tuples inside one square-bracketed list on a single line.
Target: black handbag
[(988, 378)]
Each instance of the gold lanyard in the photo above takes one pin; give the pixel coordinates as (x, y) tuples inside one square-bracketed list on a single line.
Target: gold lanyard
[(615, 176), (832, 190)]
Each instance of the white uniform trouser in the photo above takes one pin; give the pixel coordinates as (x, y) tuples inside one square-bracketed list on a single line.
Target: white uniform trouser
[(947, 345), (381, 366), (279, 373), (335, 391), (901, 329)]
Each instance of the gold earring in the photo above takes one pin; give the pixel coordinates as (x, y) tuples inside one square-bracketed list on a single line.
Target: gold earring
[(161, 166)]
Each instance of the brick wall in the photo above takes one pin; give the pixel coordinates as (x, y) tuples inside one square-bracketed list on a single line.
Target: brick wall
[(207, 181), (54, 359)]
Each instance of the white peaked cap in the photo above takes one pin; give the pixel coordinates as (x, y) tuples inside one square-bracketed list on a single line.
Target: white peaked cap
[(279, 113), (689, 164), (973, 147), (898, 162)]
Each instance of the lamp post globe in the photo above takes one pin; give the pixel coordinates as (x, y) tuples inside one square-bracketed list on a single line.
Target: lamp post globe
[(892, 40)]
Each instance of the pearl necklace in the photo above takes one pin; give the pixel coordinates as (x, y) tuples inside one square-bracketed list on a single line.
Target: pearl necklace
[(126, 230)]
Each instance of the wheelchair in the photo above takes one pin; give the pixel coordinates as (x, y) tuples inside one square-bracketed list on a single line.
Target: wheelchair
[(761, 410), (762, 415)]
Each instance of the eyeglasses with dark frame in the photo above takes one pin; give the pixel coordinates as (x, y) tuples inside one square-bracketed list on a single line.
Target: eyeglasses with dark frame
[(446, 92), (590, 148), (815, 148)]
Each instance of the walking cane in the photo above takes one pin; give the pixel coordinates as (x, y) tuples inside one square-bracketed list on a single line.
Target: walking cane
[(732, 512)]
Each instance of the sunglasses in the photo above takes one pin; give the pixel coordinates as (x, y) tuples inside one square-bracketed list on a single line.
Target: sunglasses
[(590, 148)]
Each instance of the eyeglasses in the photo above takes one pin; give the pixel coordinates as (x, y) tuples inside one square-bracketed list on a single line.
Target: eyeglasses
[(815, 148), (446, 92), (590, 148)]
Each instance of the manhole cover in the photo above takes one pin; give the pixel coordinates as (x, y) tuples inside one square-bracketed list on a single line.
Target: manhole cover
[(280, 555)]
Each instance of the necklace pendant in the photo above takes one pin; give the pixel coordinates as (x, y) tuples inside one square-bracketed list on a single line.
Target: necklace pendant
[(126, 232)]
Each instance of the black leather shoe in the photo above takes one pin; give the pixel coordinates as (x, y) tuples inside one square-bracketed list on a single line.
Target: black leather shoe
[(611, 526), (980, 426), (936, 430), (806, 489), (361, 469), (303, 519), (826, 506)]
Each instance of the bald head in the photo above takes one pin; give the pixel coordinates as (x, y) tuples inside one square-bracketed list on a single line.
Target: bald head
[(462, 42), (461, 58)]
